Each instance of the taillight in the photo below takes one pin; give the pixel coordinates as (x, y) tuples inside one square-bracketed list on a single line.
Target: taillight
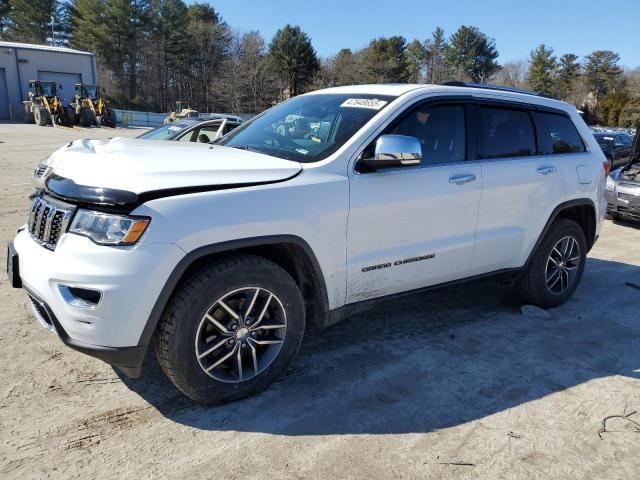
[(607, 167)]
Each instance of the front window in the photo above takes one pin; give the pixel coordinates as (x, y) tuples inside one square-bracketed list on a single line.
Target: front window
[(307, 128)]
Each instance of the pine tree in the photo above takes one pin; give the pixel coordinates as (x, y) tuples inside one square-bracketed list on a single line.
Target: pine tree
[(601, 72), (568, 74), (542, 70), (437, 69), (385, 61), (30, 21), (472, 55), (416, 55), (294, 57), (5, 8), (169, 47)]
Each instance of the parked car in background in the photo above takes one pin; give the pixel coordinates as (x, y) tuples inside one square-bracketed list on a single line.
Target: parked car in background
[(616, 147), (622, 189), (193, 130)]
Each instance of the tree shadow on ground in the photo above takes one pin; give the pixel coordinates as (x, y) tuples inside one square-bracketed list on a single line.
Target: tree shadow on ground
[(428, 362)]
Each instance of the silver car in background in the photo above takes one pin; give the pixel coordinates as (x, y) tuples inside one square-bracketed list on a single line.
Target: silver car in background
[(622, 189)]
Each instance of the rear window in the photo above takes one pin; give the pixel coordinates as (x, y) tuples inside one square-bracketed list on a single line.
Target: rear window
[(556, 134), (504, 133)]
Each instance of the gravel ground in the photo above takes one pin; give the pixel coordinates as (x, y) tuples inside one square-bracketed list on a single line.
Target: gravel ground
[(458, 385)]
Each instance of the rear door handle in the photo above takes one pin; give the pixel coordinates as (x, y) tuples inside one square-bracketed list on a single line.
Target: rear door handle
[(462, 179), (547, 170)]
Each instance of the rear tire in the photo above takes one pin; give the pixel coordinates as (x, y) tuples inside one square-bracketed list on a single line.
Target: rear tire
[(215, 354), (111, 118), (70, 116), (41, 116), (555, 270), (86, 119)]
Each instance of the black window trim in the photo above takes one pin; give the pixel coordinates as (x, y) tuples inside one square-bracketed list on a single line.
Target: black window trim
[(539, 149), (471, 103), (454, 100), (512, 106), (528, 108)]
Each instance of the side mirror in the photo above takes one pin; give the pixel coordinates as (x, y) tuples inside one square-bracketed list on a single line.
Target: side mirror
[(394, 151)]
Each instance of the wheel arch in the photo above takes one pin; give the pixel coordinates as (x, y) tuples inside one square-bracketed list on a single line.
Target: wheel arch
[(582, 211), (290, 252)]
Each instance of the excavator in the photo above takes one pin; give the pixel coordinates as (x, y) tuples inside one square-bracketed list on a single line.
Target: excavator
[(44, 105), (89, 108)]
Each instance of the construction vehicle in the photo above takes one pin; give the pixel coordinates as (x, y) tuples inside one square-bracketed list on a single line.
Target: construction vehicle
[(44, 105), (89, 108), (183, 110)]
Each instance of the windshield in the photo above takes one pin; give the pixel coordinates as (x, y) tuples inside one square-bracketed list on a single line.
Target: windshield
[(48, 89), (307, 128), (604, 141), (164, 132), (91, 91)]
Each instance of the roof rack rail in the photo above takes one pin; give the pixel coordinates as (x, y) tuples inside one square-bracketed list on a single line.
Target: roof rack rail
[(486, 86)]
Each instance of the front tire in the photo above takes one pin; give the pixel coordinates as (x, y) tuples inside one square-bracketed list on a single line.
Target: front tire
[(230, 329), (41, 116), (556, 267)]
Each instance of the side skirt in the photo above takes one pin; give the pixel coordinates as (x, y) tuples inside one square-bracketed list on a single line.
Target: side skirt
[(339, 314)]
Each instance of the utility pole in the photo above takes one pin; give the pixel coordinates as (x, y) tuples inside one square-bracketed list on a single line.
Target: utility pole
[(53, 33)]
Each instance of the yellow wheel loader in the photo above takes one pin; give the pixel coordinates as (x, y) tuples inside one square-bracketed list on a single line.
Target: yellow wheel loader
[(182, 111), (44, 106), (89, 107)]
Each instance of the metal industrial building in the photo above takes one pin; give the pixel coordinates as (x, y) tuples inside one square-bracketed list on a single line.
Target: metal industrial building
[(21, 62)]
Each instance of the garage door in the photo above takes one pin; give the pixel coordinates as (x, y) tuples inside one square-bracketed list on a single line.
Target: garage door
[(65, 81), (4, 97)]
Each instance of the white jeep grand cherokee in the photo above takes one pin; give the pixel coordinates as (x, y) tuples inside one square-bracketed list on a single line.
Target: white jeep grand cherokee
[(221, 255)]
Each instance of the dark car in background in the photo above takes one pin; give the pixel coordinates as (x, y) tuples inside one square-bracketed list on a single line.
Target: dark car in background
[(193, 130), (616, 147), (622, 190)]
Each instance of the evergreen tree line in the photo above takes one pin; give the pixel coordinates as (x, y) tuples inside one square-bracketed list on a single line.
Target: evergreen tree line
[(153, 52)]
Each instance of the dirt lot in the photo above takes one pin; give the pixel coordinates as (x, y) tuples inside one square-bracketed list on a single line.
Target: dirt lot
[(461, 385)]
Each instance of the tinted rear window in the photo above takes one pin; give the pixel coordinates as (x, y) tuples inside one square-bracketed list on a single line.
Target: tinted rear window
[(556, 134), (504, 133)]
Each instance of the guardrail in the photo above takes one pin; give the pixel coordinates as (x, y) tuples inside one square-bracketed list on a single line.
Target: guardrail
[(152, 119), (139, 119)]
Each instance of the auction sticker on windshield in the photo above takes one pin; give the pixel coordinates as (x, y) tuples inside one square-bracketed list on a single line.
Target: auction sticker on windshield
[(372, 103)]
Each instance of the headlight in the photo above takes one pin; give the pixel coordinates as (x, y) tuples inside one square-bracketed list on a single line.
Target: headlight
[(610, 184), (107, 228)]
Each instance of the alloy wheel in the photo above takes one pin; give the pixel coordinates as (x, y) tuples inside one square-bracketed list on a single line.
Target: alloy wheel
[(240, 334), (562, 265)]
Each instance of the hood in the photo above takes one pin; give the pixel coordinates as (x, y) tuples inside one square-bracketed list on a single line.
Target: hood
[(139, 167), (630, 173)]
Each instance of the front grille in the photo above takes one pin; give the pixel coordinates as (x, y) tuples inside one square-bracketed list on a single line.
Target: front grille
[(626, 196), (48, 221)]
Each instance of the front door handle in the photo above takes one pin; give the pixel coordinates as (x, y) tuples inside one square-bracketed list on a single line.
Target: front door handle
[(462, 179), (547, 170)]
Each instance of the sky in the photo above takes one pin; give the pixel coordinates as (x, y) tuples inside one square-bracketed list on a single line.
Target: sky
[(569, 26)]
